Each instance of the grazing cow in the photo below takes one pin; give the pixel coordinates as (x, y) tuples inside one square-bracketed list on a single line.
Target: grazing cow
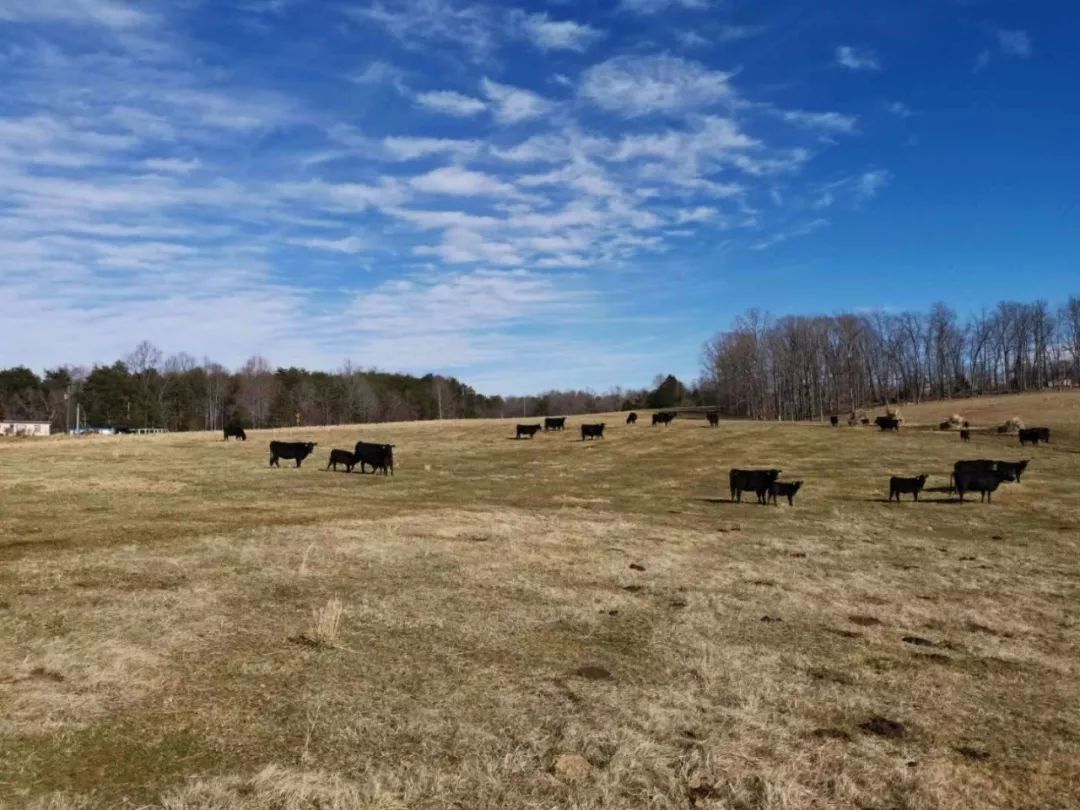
[(526, 430), (555, 423), (379, 456), (297, 451), (714, 418), (756, 481), (887, 423), (834, 420), (663, 418), (592, 431), (946, 425), (865, 420), (235, 431), (631, 419), (898, 485), (1016, 468), (1034, 435), (965, 435), (341, 457), (784, 488), (984, 480)]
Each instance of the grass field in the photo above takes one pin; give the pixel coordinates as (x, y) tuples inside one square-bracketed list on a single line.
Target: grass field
[(541, 624)]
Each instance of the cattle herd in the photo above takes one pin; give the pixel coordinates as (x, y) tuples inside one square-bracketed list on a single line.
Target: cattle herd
[(983, 476)]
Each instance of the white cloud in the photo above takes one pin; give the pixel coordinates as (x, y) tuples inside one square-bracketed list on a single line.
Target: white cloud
[(1014, 43), (449, 102), (379, 72), (870, 183), (856, 59), (75, 12), (826, 121), (733, 33), (535, 149), (461, 246), (701, 213), (634, 86), (416, 23), (172, 165), (511, 105), (802, 229), (554, 35), (654, 6), (456, 181), (350, 245), (409, 148), (982, 60), (899, 109)]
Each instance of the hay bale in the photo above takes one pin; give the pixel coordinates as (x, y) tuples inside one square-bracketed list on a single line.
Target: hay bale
[(1012, 425), (957, 420), (894, 413)]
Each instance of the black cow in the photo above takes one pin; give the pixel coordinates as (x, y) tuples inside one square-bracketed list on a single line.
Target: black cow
[(554, 423), (379, 456), (1011, 470), (714, 418), (341, 457), (235, 431), (756, 481), (834, 420), (526, 430), (663, 418), (1015, 469), (888, 423), (984, 480), (592, 431), (631, 419), (965, 435), (785, 489), (1035, 435), (293, 450), (898, 485), (865, 420)]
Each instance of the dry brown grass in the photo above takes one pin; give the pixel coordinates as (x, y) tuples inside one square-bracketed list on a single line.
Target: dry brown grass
[(499, 651)]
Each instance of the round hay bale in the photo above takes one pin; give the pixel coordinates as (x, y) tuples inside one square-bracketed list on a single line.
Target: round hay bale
[(957, 420), (1012, 425), (894, 413)]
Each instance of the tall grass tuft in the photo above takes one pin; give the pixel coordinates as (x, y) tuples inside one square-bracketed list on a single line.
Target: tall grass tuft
[(325, 630)]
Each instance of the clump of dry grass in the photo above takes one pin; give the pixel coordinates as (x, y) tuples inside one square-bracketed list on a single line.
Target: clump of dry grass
[(276, 788), (325, 629)]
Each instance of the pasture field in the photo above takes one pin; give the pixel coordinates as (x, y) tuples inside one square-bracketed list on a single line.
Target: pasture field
[(543, 623)]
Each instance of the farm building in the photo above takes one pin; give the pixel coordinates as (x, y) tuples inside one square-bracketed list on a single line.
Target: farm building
[(24, 428)]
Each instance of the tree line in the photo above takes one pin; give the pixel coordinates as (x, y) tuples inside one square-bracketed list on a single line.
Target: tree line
[(146, 389), (807, 367)]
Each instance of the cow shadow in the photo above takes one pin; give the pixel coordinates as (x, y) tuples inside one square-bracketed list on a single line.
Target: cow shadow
[(938, 501), (752, 501)]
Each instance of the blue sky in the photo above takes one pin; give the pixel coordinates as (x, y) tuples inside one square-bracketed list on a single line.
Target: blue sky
[(552, 194)]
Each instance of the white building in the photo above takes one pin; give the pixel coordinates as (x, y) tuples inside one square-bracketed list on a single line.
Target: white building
[(19, 427)]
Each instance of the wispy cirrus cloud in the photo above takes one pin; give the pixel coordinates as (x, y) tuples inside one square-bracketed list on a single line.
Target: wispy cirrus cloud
[(521, 161)]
